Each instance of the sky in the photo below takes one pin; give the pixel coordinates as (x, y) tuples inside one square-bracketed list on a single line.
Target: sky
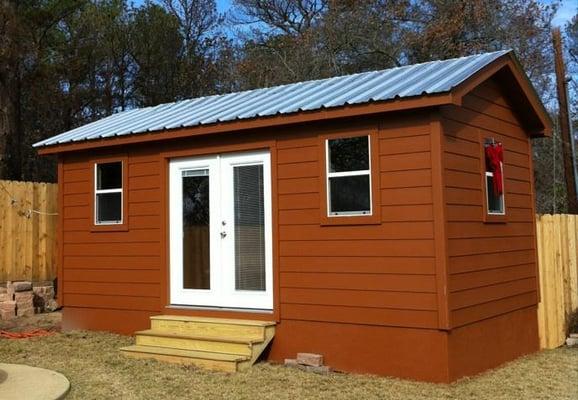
[(565, 12)]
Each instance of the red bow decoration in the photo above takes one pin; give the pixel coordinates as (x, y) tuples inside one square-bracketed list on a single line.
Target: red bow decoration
[(494, 159)]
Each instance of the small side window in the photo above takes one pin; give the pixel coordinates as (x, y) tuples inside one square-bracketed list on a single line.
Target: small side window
[(494, 178), (108, 193), (348, 176)]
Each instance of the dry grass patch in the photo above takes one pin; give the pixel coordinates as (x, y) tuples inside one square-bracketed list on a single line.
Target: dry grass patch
[(97, 370)]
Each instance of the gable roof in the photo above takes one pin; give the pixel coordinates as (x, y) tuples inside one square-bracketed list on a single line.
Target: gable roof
[(408, 82)]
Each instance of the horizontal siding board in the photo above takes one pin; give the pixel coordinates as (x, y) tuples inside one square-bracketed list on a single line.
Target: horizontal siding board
[(300, 154), (462, 264), (82, 199), (113, 249), (405, 179), (395, 231), (467, 246), (471, 297), (358, 264), (299, 201), (132, 303), (488, 277), (143, 195), (383, 282), (359, 315), (405, 162), (406, 196), (490, 108), (72, 212), (371, 248), (459, 162), (463, 180), (113, 289), (111, 276), (493, 308), (144, 182), (298, 185), (465, 213), (107, 262), (144, 209), (404, 127), (298, 170), (298, 217), (464, 196), (401, 213), (77, 175), (144, 222), (404, 145), (75, 188), (366, 298), (135, 236), (458, 230), (146, 168)]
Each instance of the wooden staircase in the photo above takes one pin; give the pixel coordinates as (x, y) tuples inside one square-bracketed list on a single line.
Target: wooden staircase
[(228, 345)]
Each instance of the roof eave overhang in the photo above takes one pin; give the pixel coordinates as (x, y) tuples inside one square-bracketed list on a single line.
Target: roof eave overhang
[(366, 109)]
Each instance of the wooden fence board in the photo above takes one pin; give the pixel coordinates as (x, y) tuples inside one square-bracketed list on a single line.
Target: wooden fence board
[(557, 239), (28, 231)]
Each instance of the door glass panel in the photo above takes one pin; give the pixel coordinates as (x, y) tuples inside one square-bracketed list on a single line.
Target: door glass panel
[(196, 241), (249, 227)]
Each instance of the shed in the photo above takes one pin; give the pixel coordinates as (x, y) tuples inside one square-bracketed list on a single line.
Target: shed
[(384, 220)]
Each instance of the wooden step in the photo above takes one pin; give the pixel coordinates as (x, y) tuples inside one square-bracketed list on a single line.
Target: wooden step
[(215, 327), (217, 344), (202, 359), (213, 343)]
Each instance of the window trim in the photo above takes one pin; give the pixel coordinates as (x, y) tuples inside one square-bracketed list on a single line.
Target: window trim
[(489, 217), (502, 196), (98, 191), (356, 218), (360, 172), (109, 226)]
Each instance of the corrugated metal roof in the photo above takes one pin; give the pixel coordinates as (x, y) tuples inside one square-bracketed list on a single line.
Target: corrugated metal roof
[(413, 80)]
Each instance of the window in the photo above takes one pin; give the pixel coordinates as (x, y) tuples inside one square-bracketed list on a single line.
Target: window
[(494, 178), (108, 193), (348, 176)]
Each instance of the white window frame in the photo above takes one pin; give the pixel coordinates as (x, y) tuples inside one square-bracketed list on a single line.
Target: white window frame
[(502, 197), (105, 191), (329, 175)]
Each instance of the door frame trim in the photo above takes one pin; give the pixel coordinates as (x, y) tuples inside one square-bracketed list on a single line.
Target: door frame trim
[(207, 146)]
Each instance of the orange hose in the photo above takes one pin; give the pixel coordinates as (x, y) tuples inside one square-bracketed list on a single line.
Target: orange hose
[(25, 335)]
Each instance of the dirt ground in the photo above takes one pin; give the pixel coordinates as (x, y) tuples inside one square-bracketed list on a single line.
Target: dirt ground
[(48, 321), (97, 370)]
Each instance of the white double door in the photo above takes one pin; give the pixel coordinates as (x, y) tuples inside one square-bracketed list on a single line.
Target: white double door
[(220, 231)]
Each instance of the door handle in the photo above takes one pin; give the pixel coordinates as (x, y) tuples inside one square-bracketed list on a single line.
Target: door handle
[(223, 234)]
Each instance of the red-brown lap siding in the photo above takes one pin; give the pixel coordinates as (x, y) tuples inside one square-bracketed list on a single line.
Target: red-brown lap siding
[(374, 274), (491, 265), (381, 274), (112, 270)]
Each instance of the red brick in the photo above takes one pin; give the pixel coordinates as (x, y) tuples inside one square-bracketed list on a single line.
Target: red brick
[(311, 359), (7, 315), (8, 306)]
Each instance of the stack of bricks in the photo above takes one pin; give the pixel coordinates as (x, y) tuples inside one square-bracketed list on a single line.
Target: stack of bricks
[(309, 362), (21, 299), (44, 297), (7, 303), (24, 297)]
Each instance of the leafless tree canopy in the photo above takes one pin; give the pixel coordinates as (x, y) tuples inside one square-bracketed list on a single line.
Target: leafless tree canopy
[(67, 62)]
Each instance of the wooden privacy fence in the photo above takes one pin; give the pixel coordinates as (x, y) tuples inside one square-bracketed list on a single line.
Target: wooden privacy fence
[(558, 263), (28, 230)]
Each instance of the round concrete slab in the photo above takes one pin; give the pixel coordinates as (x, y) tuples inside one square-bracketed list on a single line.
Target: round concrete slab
[(24, 382)]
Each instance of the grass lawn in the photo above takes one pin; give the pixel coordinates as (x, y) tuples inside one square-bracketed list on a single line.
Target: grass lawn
[(96, 370)]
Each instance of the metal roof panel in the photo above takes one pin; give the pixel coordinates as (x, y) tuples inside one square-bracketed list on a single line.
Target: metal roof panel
[(407, 81)]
